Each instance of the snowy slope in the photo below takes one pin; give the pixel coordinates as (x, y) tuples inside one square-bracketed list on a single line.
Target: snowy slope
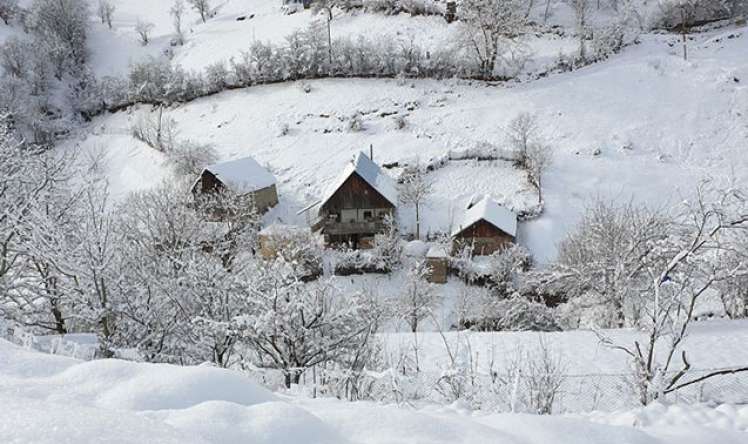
[(224, 37), (660, 125), (135, 402)]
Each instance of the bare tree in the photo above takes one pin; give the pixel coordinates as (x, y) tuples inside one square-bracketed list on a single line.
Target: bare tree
[(326, 7), (294, 326), (684, 13), (8, 10), (523, 131), (156, 130), (144, 31), (581, 12), (415, 187), (489, 26), (733, 290), (106, 10), (177, 13), (602, 261), (539, 158), (93, 263), (418, 297), (202, 7), (543, 376), (676, 284), (188, 158), (61, 27)]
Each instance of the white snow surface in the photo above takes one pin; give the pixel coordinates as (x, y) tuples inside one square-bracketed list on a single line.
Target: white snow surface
[(488, 210), (60, 400), (243, 175)]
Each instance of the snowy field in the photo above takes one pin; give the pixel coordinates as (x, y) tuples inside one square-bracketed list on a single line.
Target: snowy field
[(51, 399), (644, 125)]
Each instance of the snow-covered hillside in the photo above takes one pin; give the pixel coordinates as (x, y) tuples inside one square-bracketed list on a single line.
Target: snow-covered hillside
[(645, 125), (48, 399)]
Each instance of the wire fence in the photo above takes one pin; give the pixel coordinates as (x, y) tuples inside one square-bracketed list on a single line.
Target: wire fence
[(518, 392), (559, 393)]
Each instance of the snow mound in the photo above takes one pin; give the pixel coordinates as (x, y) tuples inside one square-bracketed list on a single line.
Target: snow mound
[(723, 417), (60, 400), (17, 362), (25, 420), (271, 423), (126, 385)]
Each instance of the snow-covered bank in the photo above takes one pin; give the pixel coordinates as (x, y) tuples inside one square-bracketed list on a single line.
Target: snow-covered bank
[(47, 399)]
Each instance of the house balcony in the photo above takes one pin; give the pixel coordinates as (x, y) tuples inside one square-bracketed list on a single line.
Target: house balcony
[(349, 228)]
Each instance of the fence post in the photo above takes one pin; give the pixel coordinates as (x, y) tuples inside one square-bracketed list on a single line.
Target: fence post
[(314, 382)]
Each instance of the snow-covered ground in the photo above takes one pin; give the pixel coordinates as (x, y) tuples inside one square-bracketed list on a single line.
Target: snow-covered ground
[(224, 36), (657, 123), (710, 344), (50, 399)]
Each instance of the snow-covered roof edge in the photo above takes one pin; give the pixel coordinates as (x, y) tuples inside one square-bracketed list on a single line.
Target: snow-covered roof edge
[(243, 175), (370, 172), (490, 211)]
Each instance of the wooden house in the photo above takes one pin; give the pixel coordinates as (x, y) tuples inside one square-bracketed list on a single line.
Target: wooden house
[(486, 226), (244, 177), (354, 207)]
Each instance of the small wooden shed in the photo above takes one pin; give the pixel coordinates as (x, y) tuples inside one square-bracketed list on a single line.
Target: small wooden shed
[(486, 226), (438, 262), (244, 177)]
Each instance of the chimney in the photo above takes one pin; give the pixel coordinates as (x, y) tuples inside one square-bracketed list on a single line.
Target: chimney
[(371, 152)]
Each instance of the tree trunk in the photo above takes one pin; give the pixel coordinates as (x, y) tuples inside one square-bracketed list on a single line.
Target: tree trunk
[(418, 222), (60, 327), (683, 33), (329, 38), (291, 377)]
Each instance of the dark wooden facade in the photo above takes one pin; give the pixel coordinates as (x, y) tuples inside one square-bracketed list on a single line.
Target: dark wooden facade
[(208, 183), (354, 213), (484, 237)]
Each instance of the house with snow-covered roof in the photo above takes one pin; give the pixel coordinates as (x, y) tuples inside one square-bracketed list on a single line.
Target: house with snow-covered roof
[(244, 178), (355, 205), (486, 226)]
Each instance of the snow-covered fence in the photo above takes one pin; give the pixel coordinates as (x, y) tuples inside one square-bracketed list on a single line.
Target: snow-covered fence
[(78, 346)]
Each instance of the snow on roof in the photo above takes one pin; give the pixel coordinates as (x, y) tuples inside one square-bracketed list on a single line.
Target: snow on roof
[(437, 251), (243, 175), (416, 248), (493, 213), (371, 173)]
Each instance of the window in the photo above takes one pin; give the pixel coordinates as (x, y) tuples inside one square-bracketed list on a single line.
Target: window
[(367, 215)]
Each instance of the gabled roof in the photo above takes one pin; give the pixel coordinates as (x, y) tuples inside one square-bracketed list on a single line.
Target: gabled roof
[(488, 210), (370, 173), (242, 176)]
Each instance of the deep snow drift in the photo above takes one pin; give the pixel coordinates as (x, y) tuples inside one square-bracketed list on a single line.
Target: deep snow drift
[(48, 399)]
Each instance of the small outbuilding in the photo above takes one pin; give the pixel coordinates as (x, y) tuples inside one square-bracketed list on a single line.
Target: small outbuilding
[(438, 262), (244, 178), (355, 206), (486, 226)]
